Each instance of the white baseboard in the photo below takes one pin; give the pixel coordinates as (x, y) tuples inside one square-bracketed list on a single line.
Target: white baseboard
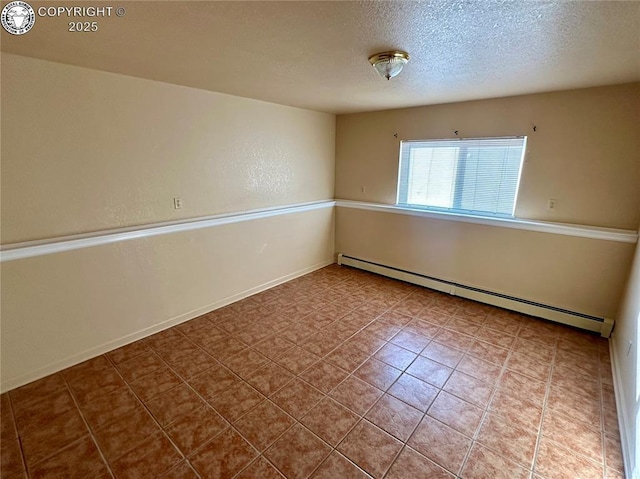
[(578, 320), (624, 422), (143, 333)]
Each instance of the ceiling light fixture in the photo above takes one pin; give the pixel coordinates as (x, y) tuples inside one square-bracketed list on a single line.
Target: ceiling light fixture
[(389, 64)]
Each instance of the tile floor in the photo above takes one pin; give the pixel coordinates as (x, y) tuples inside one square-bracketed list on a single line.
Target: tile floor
[(337, 374)]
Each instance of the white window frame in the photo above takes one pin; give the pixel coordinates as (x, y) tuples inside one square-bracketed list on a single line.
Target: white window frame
[(456, 211)]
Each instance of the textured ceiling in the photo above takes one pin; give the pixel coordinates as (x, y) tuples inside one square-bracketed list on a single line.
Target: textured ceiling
[(314, 54)]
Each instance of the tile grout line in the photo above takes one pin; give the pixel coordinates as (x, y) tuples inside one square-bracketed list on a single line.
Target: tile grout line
[(86, 423)]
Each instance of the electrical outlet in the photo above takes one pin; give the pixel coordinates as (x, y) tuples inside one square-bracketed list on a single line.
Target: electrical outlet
[(551, 204), (177, 203)]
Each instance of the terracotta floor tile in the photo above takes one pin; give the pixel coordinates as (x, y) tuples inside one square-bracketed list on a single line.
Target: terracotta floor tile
[(501, 325), (614, 474), (330, 421), (483, 463), (365, 341), (508, 439), (236, 401), (433, 317), (423, 328), (396, 318), (413, 465), (105, 409), (347, 358), (524, 364), (260, 469), (10, 457), (395, 356), (44, 411), (523, 387), (297, 453), (541, 352), (96, 384), (581, 386), (498, 338), (125, 432), (213, 381), (163, 338), (462, 416), (479, 369), (151, 385), (356, 395), (613, 453), (321, 343), (429, 371), (395, 417), (141, 365), (573, 434), (128, 352), (414, 392), (297, 398), (194, 428), (170, 405), (587, 410), (337, 466), (26, 396), (556, 462), (382, 329), (297, 360), (270, 378), (516, 410), (411, 341), (182, 471), (224, 456), (245, 362), (78, 460), (350, 325), (324, 376), (440, 443), (453, 339), (469, 388), (377, 373), (488, 352), (460, 325), (273, 346), (370, 448), (264, 424), (253, 334), (224, 348), (195, 363), (152, 458), (442, 354), (58, 433)]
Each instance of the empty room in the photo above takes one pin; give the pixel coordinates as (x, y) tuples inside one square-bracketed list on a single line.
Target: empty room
[(315, 239)]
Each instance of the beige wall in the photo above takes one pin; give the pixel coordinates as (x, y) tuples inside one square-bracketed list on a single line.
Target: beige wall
[(626, 368), (84, 150), (578, 274), (585, 153), (60, 309)]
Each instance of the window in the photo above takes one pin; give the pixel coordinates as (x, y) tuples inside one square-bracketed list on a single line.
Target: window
[(473, 176)]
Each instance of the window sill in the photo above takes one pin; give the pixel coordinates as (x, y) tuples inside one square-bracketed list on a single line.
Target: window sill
[(593, 232)]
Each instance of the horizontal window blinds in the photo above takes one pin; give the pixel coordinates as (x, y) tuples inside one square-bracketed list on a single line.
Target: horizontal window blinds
[(473, 176)]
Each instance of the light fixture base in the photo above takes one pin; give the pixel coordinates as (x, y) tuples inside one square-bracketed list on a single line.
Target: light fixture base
[(389, 64)]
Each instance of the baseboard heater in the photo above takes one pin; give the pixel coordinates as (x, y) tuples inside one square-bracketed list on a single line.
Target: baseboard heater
[(552, 313)]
